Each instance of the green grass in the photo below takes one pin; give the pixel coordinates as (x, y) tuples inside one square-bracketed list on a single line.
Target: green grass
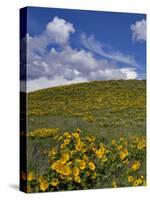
[(108, 109)]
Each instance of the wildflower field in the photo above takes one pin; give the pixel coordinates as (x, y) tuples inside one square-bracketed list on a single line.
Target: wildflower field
[(86, 135)]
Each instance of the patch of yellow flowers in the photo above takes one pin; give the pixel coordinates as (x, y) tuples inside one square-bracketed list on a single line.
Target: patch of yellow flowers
[(43, 132), (84, 162)]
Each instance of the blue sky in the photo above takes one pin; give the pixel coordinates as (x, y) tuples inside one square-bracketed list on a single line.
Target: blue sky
[(69, 46)]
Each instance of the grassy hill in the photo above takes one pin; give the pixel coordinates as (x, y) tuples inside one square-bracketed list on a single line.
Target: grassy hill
[(110, 113), (98, 107)]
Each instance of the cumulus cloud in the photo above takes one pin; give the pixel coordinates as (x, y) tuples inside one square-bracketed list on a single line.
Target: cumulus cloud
[(139, 30), (130, 73), (59, 30), (93, 45), (115, 74), (49, 66)]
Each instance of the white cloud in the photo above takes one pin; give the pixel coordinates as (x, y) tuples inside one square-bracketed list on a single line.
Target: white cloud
[(139, 30), (115, 74), (43, 82), (59, 30), (95, 46), (71, 64), (106, 74), (48, 67), (130, 73)]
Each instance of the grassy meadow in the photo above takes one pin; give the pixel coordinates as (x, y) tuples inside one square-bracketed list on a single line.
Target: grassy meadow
[(87, 135)]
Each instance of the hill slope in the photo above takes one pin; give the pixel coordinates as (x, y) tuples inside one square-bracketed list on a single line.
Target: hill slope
[(100, 107)]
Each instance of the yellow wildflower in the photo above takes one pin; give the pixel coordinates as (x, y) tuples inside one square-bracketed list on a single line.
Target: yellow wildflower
[(141, 144), (78, 147), (65, 157), (66, 141), (77, 179), (76, 135), (123, 154), (90, 138), (66, 170), (62, 176), (137, 182), (91, 166), (136, 165), (130, 179), (76, 171), (57, 166), (67, 135), (82, 164), (43, 132), (100, 152), (44, 185), (54, 182), (30, 176)]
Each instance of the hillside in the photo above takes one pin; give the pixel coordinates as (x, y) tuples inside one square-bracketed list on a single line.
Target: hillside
[(99, 107), (98, 114)]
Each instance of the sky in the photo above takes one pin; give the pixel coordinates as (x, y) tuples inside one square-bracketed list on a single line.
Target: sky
[(71, 46)]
